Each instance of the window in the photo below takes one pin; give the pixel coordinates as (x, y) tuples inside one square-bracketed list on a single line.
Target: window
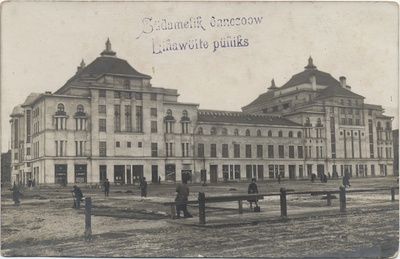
[(200, 131), (117, 144), (102, 93), (153, 112), (258, 133), (269, 133), (169, 112), (154, 149), (224, 132), (369, 112), (236, 150), (225, 151), (102, 109), (299, 134), (28, 151), (260, 151), (213, 150), (79, 148), (102, 148), (358, 122), (79, 108), (291, 151), (117, 118), (128, 118), (213, 131), (138, 96), (139, 119), (280, 134), (28, 126), (200, 150), (281, 150), (102, 125), (356, 111), (271, 151), (248, 151), (247, 132), (168, 149), (290, 134), (350, 121), (128, 144), (153, 126), (185, 149), (184, 113), (127, 95), (139, 144), (127, 85), (153, 97), (60, 107), (117, 94), (349, 111), (342, 111), (236, 132), (300, 151), (343, 121)]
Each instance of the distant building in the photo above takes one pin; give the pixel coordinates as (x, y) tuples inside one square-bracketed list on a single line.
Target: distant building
[(396, 152), (108, 121), (6, 168)]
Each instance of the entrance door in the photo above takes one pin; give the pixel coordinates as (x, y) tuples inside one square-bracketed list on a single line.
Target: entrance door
[(186, 175), (154, 173), (292, 169), (103, 173), (60, 174), (128, 174), (137, 172), (213, 173), (320, 170), (260, 172)]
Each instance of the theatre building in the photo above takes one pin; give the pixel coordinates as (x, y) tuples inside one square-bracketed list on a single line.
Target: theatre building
[(108, 121)]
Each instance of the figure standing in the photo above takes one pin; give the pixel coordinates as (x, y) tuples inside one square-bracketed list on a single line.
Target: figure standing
[(279, 178), (182, 194), (143, 187), (16, 194), (346, 179), (253, 189), (106, 185), (159, 180), (77, 195), (29, 183)]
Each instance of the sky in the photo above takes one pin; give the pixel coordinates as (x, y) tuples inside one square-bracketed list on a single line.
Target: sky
[(43, 43)]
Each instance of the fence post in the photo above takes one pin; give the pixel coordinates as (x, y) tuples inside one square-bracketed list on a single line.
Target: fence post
[(240, 206), (329, 199), (202, 208), (88, 215), (283, 202), (393, 192), (342, 199)]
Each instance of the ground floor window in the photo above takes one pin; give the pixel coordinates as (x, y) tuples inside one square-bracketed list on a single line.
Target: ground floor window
[(282, 171), (119, 172), (170, 174), (80, 173), (154, 174), (271, 171), (60, 174), (237, 171), (103, 173), (301, 171)]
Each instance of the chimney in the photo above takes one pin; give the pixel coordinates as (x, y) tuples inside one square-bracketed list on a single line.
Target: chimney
[(342, 81)]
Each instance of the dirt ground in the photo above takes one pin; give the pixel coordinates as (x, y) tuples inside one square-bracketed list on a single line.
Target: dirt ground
[(126, 225)]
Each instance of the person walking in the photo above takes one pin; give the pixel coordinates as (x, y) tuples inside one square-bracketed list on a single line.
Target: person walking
[(182, 194), (159, 180), (253, 189), (16, 194), (77, 195), (106, 185), (346, 179), (143, 187)]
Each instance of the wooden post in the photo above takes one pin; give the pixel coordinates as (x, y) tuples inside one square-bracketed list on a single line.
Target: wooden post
[(88, 215), (283, 202), (393, 192), (342, 199), (240, 207), (329, 199), (202, 208), (173, 211)]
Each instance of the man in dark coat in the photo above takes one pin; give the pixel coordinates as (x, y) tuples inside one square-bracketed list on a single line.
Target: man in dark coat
[(16, 193), (78, 195), (143, 187), (182, 194), (346, 179), (252, 189), (106, 185)]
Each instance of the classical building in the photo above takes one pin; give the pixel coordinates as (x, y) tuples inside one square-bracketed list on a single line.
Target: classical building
[(108, 121)]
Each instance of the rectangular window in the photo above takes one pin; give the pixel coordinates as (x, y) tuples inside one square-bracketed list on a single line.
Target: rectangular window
[(213, 150), (358, 122), (185, 127), (356, 111), (350, 121), (139, 144), (128, 118), (102, 93), (127, 95), (102, 148), (185, 149), (128, 144), (153, 112), (153, 126), (154, 149), (153, 97), (200, 150), (225, 151), (281, 150), (349, 111), (236, 150), (138, 96), (369, 112), (291, 151), (343, 120), (248, 151), (117, 94), (260, 151), (117, 144), (102, 125), (139, 119), (28, 151), (271, 151), (300, 152), (169, 148), (117, 118), (102, 108), (28, 126)]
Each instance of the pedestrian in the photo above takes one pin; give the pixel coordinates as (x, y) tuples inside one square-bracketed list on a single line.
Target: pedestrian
[(143, 187), (33, 183), (77, 195), (159, 180), (182, 194), (253, 189), (29, 183), (16, 194), (346, 179), (313, 177), (279, 178), (324, 178), (106, 185)]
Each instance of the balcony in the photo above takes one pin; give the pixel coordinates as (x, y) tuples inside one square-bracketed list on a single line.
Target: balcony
[(307, 124), (61, 113), (319, 125)]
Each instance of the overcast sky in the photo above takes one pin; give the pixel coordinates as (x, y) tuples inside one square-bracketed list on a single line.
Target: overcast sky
[(43, 43)]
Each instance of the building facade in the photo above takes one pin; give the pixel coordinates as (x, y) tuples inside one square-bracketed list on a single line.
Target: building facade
[(108, 121)]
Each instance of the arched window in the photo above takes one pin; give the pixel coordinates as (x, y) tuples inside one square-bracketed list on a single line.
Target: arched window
[(318, 122), (247, 132), (184, 113), (236, 132), (280, 134), (290, 134), (60, 107), (379, 124), (258, 133), (224, 131), (200, 131), (387, 125), (299, 134), (341, 102), (349, 102), (307, 120), (356, 102), (213, 131), (127, 84), (79, 108), (269, 133), (169, 112)]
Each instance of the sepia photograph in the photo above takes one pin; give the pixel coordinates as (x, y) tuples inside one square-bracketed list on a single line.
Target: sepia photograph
[(199, 129)]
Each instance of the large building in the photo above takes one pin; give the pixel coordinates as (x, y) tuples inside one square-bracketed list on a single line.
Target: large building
[(108, 121)]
